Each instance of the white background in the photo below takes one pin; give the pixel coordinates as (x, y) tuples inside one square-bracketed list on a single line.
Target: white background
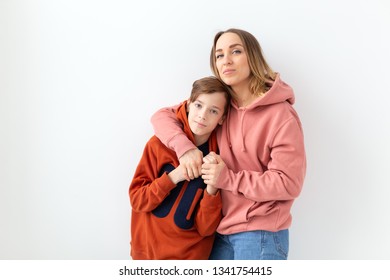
[(79, 81)]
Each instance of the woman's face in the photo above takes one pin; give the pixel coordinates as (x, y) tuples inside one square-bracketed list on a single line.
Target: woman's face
[(232, 61)]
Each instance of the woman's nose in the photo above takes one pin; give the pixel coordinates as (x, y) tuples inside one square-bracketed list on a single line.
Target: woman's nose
[(227, 60)]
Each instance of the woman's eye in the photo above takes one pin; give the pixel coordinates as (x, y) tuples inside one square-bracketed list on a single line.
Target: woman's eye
[(197, 105), (236, 51), (219, 56), (214, 112)]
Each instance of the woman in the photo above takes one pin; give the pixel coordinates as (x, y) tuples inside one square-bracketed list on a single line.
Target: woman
[(262, 163)]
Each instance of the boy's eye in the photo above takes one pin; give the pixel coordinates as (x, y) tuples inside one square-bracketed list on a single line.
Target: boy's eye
[(214, 112), (197, 105)]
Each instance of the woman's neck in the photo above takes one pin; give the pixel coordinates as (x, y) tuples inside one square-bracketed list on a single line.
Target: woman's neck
[(243, 96)]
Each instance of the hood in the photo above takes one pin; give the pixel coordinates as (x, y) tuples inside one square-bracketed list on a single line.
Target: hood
[(279, 92), (181, 114)]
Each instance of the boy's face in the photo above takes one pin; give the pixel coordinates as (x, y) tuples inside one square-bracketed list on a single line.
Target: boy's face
[(204, 114)]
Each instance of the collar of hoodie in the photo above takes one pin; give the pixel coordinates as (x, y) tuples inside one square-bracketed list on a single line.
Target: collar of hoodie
[(278, 92)]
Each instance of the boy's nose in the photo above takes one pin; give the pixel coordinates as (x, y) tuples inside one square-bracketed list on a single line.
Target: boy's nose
[(202, 114)]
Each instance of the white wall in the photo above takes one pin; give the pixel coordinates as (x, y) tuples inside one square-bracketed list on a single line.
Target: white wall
[(79, 81)]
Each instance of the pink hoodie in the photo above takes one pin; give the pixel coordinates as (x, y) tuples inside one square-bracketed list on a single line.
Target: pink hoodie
[(263, 148)]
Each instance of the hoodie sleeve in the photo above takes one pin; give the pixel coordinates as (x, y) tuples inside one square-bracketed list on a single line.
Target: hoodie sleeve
[(170, 131), (209, 214), (147, 189), (284, 176)]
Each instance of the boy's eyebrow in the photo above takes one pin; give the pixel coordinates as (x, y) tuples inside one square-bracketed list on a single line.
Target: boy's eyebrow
[(216, 107), (230, 47), (211, 106)]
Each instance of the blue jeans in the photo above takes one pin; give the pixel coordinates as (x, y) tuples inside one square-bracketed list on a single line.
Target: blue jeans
[(251, 245)]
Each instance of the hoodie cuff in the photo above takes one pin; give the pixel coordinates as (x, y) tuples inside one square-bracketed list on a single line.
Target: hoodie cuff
[(165, 183), (212, 201), (181, 144), (225, 181)]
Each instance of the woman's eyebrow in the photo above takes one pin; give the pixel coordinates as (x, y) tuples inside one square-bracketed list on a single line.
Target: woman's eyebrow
[(230, 47)]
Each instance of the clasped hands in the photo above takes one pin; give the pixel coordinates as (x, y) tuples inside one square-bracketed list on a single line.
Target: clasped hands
[(209, 167), (193, 165)]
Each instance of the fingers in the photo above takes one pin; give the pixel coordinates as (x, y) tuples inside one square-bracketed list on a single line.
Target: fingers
[(197, 165), (192, 161), (211, 168), (209, 180), (194, 170), (185, 175), (199, 170), (207, 172), (212, 158), (190, 173), (209, 159)]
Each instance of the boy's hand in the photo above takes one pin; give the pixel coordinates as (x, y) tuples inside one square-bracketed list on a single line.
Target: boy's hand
[(211, 168), (178, 174)]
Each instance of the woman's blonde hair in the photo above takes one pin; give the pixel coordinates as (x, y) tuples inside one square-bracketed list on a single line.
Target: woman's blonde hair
[(261, 72)]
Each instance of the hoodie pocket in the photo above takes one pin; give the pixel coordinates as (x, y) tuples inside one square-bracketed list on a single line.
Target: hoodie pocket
[(262, 209)]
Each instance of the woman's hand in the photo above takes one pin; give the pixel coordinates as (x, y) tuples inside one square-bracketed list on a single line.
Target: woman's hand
[(192, 162)]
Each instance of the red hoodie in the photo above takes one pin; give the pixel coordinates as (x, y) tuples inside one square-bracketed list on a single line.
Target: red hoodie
[(171, 221)]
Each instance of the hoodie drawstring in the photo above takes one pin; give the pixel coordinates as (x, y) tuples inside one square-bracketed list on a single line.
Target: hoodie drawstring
[(243, 147)]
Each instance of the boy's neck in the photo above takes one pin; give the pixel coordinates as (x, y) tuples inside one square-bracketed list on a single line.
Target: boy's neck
[(199, 140)]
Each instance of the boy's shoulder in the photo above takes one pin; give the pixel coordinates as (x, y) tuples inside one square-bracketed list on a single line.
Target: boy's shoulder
[(155, 144), (154, 148), (154, 141)]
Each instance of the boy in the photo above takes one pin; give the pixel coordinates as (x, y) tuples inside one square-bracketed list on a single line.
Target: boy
[(173, 218)]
